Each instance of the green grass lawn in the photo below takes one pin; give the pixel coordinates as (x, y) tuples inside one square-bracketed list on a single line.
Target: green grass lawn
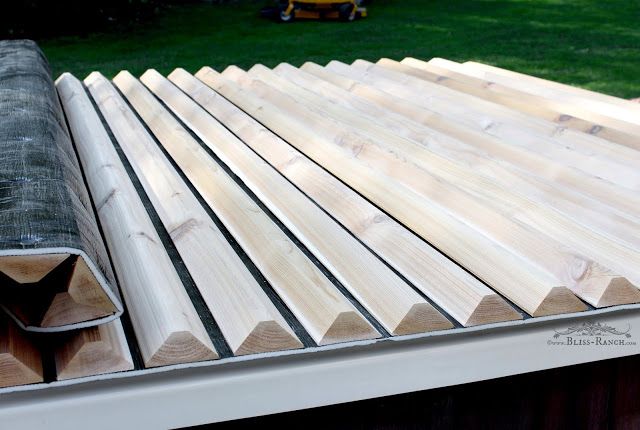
[(589, 43)]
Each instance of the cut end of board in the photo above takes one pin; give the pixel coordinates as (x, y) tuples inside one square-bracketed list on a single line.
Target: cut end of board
[(176, 73), (206, 71), (602, 287), (14, 372), (268, 336), (93, 77), (618, 291), (422, 317), (67, 294), (90, 353), (65, 310), (150, 74), (84, 291), (181, 347), (349, 326), (560, 300), (309, 65), (28, 269), (492, 309), (84, 299), (20, 360)]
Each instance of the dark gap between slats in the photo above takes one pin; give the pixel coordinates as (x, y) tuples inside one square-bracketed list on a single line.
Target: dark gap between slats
[(46, 344), (298, 329), (516, 307), (124, 318), (213, 330), (400, 275), (276, 221)]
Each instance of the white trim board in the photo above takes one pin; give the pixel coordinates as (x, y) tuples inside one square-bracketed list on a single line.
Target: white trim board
[(279, 383)]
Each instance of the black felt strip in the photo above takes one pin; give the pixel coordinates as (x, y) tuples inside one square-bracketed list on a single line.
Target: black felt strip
[(289, 234), (213, 330), (453, 320), (299, 330)]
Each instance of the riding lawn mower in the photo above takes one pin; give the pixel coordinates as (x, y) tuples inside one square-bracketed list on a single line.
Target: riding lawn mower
[(289, 10)]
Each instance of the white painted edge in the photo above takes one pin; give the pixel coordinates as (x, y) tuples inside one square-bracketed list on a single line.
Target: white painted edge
[(233, 388)]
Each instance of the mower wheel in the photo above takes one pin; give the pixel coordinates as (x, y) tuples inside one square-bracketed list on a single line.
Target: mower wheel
[(283, 17), (347, 12)]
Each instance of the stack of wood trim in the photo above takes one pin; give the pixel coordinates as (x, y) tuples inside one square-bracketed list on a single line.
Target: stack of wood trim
[(55, 271), (20, 358)]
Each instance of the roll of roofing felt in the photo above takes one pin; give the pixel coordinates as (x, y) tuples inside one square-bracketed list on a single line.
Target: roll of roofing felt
[(55, 272)]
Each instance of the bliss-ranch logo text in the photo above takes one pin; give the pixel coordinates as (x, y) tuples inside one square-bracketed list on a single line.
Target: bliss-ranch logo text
[(592, 334)]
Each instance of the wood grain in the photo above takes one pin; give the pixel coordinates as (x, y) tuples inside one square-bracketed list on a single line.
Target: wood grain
[(568, 114), (20, 360), (453, 289), (321, 309), (166, 324), (408, 120), (393, 302), (532, 289), (614, 162), (547, 104), (58, 300), (405, 119), (239, 305), (605, 104), (573, 147), (471, 198), (562, 233), (93, 351), (426, 94), (26, 269)]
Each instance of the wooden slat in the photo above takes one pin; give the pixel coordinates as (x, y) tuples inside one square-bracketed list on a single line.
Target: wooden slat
[(462, 110), (532, 289), (418, 91), (569, 115), (20, 360), (408, 120), (166, 324), (25, 269), (391, 301), (456, 110), (538, 215), (615, 163), (603, 103), (591, 280), (453, 289), (249, 321), (93, 351), (546, 105), (622, 171), (322, 310)]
